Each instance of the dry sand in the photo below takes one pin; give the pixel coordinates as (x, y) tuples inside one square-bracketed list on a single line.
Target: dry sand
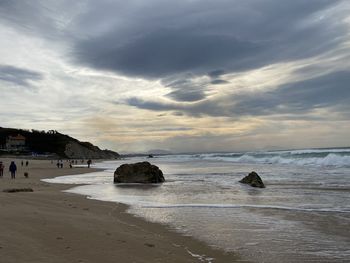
[(48, 225)]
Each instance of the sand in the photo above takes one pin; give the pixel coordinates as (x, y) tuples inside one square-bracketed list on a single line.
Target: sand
[(48, 225)]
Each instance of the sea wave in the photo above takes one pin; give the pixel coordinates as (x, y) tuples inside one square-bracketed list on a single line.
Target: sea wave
[(301, 209), (339, 157)]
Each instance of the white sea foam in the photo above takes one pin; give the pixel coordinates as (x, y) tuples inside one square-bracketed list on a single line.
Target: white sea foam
[(329, 160), (310, 157), (331, 210)]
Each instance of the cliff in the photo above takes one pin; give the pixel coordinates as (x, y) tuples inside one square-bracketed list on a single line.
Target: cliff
[(53, 143)]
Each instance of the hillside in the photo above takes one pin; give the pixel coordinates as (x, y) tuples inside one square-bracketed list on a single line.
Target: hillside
[(52, 143)]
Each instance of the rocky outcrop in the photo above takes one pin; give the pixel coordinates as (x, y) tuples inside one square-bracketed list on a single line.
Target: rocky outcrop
[(253, 179), (143, 172), (84, 150)]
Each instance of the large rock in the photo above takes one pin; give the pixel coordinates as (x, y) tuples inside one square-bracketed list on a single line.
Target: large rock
[(143, 172), (253, 179)]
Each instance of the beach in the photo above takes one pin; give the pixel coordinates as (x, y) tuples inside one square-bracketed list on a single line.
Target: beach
[(48, 225), (201, 213)]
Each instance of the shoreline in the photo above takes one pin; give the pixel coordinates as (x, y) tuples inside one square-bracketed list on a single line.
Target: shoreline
[(49, 225)]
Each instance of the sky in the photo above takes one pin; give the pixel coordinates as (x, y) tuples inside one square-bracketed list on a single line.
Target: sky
[(183, 76)]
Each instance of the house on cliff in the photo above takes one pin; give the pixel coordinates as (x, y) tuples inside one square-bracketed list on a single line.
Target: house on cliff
[(17, 142)]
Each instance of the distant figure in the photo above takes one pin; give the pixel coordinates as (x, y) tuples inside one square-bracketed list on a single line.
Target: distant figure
[(27, 163), (26, 175), (70, 165), (58, 164), (89, 163), (13, 169), (62, 165), (21, 163), (2, 167)]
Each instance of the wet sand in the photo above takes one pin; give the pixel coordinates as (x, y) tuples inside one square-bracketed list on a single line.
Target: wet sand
[(48, 225)]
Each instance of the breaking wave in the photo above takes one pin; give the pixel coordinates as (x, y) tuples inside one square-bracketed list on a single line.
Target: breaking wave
[(332, 210), (339, 157)]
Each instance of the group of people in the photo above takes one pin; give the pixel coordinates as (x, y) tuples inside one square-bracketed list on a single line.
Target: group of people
[(59, 163), (12, 169), (13, 166), (22, 163)]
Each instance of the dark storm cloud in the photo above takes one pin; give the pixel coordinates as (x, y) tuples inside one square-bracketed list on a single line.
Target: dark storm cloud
[(202, 36), (150, 105), (166, 52), (328, 91), (185, 90), (215, 77), (18, 76), (216, 73), (186, 95), (218, 81)]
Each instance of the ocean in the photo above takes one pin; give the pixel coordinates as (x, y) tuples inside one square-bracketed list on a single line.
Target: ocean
[(303, 214)]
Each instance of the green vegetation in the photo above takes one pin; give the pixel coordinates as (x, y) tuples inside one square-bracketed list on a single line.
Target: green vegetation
[(44, 142)]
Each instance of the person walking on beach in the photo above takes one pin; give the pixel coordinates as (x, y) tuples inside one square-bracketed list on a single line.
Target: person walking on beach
[(89, 163), (1, 170), (13, 169), (27, 163)]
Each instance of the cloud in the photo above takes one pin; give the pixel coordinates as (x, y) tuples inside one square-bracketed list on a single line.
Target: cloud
[(327, 91), (49, 19), (186, 95), (165, 52), (216, 73), (186, 89), (19, 76), (219, 81), (150, 105), (227, 37)]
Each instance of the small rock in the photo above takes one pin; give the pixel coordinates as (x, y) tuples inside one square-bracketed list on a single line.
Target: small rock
[(16, 190), (253, 179), (149, 245)]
